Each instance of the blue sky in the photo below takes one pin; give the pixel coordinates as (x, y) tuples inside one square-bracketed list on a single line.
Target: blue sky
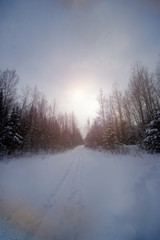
[(66, 45)]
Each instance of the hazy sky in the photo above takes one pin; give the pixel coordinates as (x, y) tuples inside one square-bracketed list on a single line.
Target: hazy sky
[(68, 46)]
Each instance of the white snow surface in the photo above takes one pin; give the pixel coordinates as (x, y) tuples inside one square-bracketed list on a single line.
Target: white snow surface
[(81, 194)]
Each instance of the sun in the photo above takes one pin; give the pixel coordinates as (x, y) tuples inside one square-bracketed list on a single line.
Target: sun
[(79, 95), (85, 102)]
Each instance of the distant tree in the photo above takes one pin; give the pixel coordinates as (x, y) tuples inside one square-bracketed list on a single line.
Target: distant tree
[(101, 111), (75, 133), (118, 103), (94, 137)]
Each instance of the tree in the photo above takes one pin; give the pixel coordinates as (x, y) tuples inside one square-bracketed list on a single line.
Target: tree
[(12, 138), (8, 84), (101, 112), (151, 141), (157, 74), (94, 137), (118, 102), (3, 122), (109, 137)]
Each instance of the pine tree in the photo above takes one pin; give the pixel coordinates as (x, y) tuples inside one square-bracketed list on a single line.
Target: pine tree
[(109, 137), (3, 123), (151, 141), (12, 136)]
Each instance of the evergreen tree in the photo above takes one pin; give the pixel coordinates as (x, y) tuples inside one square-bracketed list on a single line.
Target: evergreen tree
[(151, 141), (12, 136), (3, 122), (109, 137)]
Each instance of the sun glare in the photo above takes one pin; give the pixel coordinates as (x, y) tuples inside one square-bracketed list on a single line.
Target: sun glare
[(84, 102), (78, 95), (82, 95)]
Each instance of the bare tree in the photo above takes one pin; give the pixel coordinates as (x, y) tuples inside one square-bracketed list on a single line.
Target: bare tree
[(118, 100), (143, 92), (101, 112), (8, 84), (157, 74)]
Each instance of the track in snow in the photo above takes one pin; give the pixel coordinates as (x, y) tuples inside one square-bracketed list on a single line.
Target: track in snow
[(80, 195), (67, 213)]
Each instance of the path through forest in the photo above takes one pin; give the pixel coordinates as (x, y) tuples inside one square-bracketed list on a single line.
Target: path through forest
[(80, 194)]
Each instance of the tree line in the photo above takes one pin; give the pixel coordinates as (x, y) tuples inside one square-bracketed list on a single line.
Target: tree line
[(131, 116), (29, 124)]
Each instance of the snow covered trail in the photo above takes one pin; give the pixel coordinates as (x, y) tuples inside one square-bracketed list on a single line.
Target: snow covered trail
[(80, 194)]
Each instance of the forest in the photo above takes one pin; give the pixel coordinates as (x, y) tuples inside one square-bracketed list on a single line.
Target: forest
[(131, 116), (29, 124)]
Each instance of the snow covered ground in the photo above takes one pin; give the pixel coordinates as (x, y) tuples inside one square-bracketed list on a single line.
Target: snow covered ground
[(80, 194)]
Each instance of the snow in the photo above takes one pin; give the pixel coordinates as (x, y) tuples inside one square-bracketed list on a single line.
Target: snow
[(152, 131), (80, 194)]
